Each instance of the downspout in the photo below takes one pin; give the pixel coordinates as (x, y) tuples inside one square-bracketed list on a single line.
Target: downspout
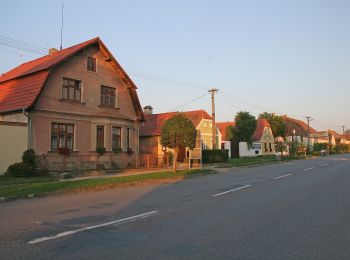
[(26, 114)]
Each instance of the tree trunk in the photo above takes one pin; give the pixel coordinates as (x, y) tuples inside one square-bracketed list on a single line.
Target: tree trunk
[(176, 153)]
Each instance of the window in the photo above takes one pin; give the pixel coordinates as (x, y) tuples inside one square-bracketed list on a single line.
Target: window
[(116, 138), (270, 146), (265, 146), (71, 89), (91, 64), (100, 136), (128, 138), (62, 136), (107, 96)]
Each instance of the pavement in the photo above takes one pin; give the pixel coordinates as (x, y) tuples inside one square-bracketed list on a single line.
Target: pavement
[(293, 210)]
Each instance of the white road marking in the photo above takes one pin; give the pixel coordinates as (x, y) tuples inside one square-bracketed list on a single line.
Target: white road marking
[(325, 164), (308, 169), (71, 232), (279, 177), (228, 191)]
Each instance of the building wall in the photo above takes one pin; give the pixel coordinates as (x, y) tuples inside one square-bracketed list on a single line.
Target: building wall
[(267, 138), (205, 128), (13, 142), (86, 115)]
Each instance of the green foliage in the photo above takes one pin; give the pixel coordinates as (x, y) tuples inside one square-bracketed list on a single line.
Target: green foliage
[(20, 170), (280, 147), (293, 146), (117, 150), (30, 166), (245, 127), (301, 149), (320, 146), (178, 131), (28, 157), (214, 156), (229, 132), (100, 150), (278, 125)]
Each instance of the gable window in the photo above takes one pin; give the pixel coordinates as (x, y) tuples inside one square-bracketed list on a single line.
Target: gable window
[(107, 96), (71, 89), (265, 146), (91, 64), (100, 136), (116, 138), (62, 136), (270, 146)]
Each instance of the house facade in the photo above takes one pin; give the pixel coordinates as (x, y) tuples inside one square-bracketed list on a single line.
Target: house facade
[(150, 133), (225, 142), (298, 130), (263, 141), (75, 102)]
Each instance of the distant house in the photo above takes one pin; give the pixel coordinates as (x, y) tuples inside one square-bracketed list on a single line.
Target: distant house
[(150, 133), (329, 137), (72, 101), (263, 141), (297, 130), (225, 142)]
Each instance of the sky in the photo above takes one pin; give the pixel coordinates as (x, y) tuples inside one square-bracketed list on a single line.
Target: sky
[(286, 56)]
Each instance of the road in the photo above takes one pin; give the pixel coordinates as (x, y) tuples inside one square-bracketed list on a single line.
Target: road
[(292, 210)]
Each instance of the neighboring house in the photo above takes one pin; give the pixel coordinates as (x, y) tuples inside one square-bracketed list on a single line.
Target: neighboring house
[(150, 134), (225, 142), (263, 141), (346, 138), (329, 137), (298, 130), (73, 101)]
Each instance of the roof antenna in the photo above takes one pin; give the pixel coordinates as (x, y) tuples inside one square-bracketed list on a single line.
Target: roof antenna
[(61, 26)]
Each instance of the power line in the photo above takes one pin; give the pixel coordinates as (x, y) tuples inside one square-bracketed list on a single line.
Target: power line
[(189, 102)]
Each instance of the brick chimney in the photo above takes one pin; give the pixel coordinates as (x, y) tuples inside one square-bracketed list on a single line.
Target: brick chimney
[(148, 110), (52, 50)]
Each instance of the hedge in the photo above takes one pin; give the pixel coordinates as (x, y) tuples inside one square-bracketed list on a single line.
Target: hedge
[(214, 156)]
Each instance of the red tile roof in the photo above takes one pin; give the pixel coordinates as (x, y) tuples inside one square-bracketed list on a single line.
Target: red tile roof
[(153, 123), (260, 127), (20, 87), (222, 126), (346, 136), (299, 126)]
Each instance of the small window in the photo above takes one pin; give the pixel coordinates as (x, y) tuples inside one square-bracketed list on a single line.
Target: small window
[(270, 146), (107, 96), (91, 64), (116, 137), (62, 136), (100, 136), (71, 89), (265, 146)]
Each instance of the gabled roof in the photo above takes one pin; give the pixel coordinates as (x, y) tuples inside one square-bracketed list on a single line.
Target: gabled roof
[(21, 86), (346, 136), (260, 127), (153, 123), (301, 128), (222, 126)]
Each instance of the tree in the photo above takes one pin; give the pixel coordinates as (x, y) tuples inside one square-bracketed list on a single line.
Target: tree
[(280, 147), (245, 127), (277, 123), (178, 132)]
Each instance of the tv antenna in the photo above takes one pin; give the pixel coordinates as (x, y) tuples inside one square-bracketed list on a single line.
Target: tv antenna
[(61, 25)]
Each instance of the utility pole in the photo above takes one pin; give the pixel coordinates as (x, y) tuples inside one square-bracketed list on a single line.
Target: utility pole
[(213, 91), (343, 126), (308, 118)]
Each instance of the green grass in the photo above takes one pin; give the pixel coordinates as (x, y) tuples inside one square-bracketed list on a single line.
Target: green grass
[(92, 184), (248, 161)]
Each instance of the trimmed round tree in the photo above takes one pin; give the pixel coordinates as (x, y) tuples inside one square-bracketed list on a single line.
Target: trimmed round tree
[(178, 132)]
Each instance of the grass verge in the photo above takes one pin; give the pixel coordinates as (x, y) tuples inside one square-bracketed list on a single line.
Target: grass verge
[(24, 189), (249, 161)]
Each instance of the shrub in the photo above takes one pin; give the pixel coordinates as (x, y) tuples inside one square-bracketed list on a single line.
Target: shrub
[(29, 158), (100, 150), (20, 170), (214, 156), (117, 150)]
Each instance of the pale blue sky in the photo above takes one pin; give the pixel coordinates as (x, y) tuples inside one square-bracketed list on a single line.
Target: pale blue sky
[(290, 57)]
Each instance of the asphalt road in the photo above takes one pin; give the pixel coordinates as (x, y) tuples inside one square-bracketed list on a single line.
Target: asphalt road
[(293, 210)]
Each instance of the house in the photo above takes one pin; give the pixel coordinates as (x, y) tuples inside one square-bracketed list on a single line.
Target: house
[(69, 103), (330, 137), (225, 142), (263, 141), (298, 130), (150, 133)]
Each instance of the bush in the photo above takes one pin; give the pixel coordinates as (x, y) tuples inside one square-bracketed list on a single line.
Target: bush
[(20, 170), (214, 156), (117, 150), (100, 150), (29, 158)]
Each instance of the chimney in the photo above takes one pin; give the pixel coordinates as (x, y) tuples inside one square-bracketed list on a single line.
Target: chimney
[(52, 50), (148, 110)]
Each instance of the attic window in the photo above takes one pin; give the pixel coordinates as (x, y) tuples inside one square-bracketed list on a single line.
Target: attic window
[(91, 64), (71, 89)]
